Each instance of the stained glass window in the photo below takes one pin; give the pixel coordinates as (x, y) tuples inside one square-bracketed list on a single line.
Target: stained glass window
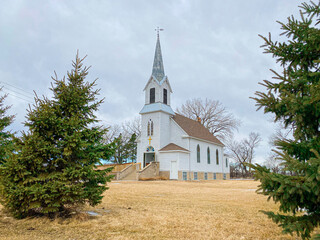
[(151, 128)]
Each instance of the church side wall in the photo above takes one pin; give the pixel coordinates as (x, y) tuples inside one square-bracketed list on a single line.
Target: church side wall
[(203, 166), (165, 160), (176, 135), (164, 121), (183, 161), (226, 166)]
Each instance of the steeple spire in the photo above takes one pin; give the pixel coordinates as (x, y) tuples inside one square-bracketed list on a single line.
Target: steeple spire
[(157, 69)]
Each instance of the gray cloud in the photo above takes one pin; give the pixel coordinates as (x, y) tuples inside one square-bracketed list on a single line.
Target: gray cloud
[(210, 49)]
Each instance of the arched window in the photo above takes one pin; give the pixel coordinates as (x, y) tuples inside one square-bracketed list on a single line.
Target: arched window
[(208, 155), (226, 162), (152, 95), (165, 96), (151, 128), (217, 157), (198, 153)]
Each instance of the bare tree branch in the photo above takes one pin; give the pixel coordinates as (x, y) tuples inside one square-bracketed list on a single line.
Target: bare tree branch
[(213, 115), (243, 151), (113, 132), (132, 127)]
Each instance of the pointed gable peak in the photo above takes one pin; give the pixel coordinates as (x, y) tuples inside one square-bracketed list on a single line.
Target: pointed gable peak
[(157, 69)]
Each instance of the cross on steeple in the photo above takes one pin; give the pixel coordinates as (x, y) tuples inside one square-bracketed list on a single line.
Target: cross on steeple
[(157, 69), (158, 30)]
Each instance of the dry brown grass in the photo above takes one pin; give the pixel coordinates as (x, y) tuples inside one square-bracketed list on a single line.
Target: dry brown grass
[(160, 210)]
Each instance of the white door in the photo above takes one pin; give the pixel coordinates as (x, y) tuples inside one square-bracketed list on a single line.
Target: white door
[(174, 170)]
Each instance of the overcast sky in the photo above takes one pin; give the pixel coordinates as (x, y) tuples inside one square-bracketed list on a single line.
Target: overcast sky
[(210, 50)]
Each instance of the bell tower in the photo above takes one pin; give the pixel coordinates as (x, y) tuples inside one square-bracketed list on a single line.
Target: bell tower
[(157, 90), (156, 112)]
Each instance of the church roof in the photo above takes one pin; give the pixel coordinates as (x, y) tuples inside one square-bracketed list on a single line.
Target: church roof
[(157, 69), (155, 107), (195, 129), (173, 147)]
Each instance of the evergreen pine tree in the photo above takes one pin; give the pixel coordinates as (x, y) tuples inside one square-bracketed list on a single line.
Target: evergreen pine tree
[(54, 166), (294, 98), (119, 155), (132, 148), (6, 143)]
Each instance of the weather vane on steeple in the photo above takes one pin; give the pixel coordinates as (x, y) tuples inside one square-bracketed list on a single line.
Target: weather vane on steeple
[(158, 30)]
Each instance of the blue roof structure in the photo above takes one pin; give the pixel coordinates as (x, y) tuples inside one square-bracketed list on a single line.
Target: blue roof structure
[(155, 107)]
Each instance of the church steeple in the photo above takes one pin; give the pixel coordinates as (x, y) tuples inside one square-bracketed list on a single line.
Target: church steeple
[(157, 90), (157, 69)]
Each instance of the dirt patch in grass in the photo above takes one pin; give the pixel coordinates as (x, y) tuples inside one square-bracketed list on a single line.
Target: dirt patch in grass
[(160, 210)]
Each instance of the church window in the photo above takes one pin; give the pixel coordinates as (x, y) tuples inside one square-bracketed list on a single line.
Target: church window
[(208, 155), (151, 128), (217, 157), (195, 176), (184, 176), (205, 176), (152, 95), (214, 176), (165, 96), (224, 176), (198, 153), (226, 162), (150, 149)]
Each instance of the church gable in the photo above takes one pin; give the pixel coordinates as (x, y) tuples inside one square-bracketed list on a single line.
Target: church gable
[(151, 83), (173, 147), (164, 83), (157, 92)]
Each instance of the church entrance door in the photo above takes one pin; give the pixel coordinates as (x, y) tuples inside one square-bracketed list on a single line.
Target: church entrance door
[(174, 170), (147, 159)]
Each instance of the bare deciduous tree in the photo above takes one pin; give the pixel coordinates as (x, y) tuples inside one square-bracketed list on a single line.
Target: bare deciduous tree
[(243, 151), (124, 137), (273, 163), (213, 115), (113, 132), (132, 127), (282, 134)]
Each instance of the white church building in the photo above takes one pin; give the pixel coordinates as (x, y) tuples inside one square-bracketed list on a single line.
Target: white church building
[(183, 148)]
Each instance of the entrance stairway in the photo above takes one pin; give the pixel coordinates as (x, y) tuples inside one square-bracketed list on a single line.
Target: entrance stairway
[(149, 172), (133, 172)]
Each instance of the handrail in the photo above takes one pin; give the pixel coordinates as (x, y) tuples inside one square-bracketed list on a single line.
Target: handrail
[(125, 172)]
